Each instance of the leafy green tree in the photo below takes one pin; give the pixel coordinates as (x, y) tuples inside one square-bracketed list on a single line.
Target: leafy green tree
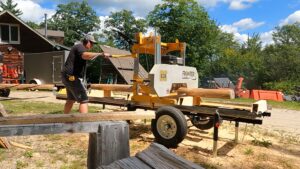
[(187, 21), (252, 45), (10, 6), (74, 19), (251, 51), (282, 63), (125, 22), (220, 65), (281, 60), (33, 25), (287, 34)]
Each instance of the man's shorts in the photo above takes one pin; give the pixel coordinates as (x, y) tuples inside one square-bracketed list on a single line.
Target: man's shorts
[(76, 90)]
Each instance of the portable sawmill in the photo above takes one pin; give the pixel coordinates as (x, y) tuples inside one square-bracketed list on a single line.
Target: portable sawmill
[(172, 91), (169, 87)]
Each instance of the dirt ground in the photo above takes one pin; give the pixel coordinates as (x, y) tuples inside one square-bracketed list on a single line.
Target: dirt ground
[(275, 144)]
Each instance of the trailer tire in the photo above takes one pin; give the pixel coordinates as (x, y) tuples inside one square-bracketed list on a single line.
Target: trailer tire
[(202, 123), (169, 126), (4, 92)]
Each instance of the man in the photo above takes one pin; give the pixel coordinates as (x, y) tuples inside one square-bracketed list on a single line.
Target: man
[(73, 73)]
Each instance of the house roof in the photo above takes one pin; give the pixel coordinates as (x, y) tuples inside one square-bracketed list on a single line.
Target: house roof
[(51, 33), (54, 44), (224, 83), (124, 65)]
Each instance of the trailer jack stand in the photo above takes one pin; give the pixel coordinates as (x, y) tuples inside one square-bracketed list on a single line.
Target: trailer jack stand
[(236, 139), (217, 123)]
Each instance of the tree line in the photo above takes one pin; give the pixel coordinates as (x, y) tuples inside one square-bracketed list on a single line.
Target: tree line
[(214, 53)]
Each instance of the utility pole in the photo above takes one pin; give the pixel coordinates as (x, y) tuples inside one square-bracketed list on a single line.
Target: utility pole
[(46, 25)]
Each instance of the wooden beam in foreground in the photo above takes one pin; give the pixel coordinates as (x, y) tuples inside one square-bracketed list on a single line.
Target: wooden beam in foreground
[(50, 128), (73, 118)]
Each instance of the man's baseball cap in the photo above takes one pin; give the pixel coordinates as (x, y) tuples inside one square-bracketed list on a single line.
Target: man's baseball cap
[(90, 38)]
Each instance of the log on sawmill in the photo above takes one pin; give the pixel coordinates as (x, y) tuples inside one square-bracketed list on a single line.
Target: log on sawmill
[(208, 93)]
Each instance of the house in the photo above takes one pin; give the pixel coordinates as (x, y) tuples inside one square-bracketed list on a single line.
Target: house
[(55, 36), (41, 59), (17, 36)]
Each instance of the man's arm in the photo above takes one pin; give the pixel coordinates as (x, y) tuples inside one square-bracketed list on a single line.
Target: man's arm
[(93, 55)]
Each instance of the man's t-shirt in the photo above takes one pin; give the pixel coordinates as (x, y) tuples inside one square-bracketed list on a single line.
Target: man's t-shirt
[(75, 65)]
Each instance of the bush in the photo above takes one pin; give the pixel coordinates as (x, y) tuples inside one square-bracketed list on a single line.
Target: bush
[(287, 87)]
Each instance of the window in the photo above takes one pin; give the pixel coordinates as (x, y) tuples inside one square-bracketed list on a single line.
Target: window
[(9, 33), (14, 33), (5, 33)]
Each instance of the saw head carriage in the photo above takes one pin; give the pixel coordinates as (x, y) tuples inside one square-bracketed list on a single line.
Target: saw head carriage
[(164, 79)]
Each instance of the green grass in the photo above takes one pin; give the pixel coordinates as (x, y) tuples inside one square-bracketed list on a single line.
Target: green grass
[(248, 151), (17, 107), (282, 105), (274, 104), (28, 154), (40, 164), (262, 143), (3, 154), (21, 164)]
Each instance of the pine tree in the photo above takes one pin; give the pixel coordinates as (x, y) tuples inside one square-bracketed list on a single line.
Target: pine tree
[(10, 6)]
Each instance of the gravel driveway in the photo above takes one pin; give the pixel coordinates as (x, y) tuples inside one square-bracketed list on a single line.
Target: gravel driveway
[(281, 119)]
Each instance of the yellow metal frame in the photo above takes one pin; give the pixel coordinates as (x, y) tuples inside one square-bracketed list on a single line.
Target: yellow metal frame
[(146, 45)]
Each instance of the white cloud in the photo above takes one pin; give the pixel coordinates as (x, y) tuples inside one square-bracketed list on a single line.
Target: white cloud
[(105, 7), (233, 4), (247, 23), (266, 38), (228, 28), (208, 3), (241, 38), (102, 26), (234, 30), (241, 25), (240, 4), (293, 18), (32, 11)]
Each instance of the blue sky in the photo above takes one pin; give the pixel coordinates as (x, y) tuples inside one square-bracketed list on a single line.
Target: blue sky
[(271, 12), (240, 17)]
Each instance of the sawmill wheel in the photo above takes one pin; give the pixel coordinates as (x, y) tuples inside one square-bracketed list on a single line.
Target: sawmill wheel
[(202, 122), (4, 92), (169, 126)]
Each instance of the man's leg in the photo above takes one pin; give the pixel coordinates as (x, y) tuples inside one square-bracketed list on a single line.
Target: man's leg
[(68, 106), (83, 107)]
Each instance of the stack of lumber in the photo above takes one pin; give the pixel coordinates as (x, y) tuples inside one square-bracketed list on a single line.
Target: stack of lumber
[(155, 156)]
